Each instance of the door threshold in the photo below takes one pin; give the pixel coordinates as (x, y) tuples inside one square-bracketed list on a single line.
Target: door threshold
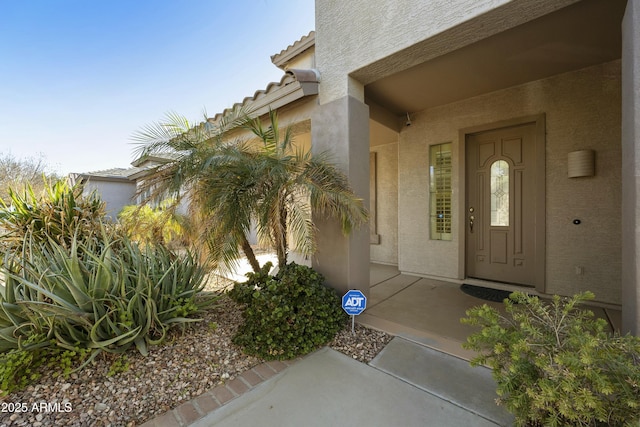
[(530, 290), (503, 286)]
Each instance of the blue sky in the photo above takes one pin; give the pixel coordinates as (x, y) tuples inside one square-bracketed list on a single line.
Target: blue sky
[(79, 77)]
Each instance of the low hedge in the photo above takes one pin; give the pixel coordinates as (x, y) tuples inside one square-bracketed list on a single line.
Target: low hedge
[(287, 315)]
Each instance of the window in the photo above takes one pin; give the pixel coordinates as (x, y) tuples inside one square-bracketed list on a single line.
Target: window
[(374, 237), (440, 191), (500, 194)]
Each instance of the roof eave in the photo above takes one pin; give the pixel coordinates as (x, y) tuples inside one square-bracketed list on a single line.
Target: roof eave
[(295, 85), (151, 158), (281, 59), (144, 172), (281, 97), (90, 177)]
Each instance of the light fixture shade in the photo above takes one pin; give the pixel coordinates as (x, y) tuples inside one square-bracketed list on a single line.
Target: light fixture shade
[(581, 163)]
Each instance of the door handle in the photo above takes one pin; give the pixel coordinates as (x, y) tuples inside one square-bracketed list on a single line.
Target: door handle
[(471, 218)]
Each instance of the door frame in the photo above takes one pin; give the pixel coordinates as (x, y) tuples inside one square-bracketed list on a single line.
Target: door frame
[(540, 191)]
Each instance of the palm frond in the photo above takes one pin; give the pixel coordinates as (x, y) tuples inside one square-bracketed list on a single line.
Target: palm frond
[(160, 137), (331, 194), (300, 225), (233, 181)]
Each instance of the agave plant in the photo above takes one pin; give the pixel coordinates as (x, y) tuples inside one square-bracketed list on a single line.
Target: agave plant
[(60, 212), (104, 295)]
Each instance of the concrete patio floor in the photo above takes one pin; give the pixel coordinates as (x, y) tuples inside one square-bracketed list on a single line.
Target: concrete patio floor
[(429, 311), (423, 310)]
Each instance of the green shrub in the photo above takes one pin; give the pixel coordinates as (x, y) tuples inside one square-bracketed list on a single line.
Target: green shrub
[(555, 365), (287, 315), (243, 292), (119, 365), (20, 367), (148, 225)]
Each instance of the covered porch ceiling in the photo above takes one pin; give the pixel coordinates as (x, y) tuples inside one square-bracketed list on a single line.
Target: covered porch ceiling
[(580, 35)]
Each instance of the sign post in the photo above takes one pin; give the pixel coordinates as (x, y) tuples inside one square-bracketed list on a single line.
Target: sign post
[(354, 302)]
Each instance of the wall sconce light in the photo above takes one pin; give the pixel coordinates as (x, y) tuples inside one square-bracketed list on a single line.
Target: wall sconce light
[(581, 163)]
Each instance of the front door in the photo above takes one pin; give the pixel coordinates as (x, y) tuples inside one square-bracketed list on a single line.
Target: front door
[(501, 204)]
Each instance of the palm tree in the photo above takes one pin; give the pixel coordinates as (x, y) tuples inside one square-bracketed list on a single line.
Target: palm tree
[(232, 182), (293, 184), (191, 151)]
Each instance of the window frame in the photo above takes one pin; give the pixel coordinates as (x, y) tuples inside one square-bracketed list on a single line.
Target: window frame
[(441, 191)]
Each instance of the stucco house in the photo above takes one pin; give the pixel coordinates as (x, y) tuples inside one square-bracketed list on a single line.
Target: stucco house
[(496, 140), (487, 136)]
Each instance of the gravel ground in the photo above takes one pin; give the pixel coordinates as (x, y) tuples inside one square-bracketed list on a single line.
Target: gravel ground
[(142, 388)]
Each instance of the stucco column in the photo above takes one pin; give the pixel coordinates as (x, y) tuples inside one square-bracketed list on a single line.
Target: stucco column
[(341, 127), (631, 168)]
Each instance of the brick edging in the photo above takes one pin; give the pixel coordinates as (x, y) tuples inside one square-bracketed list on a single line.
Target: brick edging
[(198, 407)]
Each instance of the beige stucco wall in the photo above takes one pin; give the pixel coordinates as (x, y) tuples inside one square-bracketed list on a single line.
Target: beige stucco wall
[(303, 61), (631, 169), (582, 111), (298, 117), (342, 127), (353, 35), (386, 252)]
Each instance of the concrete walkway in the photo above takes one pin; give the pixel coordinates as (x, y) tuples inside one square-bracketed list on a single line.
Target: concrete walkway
[(420, 378), (407, 384)]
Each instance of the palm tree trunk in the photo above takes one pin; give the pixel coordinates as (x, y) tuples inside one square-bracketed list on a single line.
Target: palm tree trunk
[(281, 237), (251, 256)]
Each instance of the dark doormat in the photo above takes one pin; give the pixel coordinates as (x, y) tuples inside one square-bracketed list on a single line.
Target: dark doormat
[(487, 294)]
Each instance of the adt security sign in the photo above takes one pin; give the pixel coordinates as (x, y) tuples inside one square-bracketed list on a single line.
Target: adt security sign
[(354, 302)]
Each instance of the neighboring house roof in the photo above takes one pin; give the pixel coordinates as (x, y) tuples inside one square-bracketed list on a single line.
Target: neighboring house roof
[(156, 159), (281, 59), (140, 167), (114, 174)]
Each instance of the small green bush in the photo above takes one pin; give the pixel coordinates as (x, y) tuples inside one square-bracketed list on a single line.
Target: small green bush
[(119, 365), (20, 367), (59, 305), (243, 292), (287, 315), (555, 365), (152, 225), (106, 295), (72, 286)]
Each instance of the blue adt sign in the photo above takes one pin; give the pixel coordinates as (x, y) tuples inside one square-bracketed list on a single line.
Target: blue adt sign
[(354, 302)]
